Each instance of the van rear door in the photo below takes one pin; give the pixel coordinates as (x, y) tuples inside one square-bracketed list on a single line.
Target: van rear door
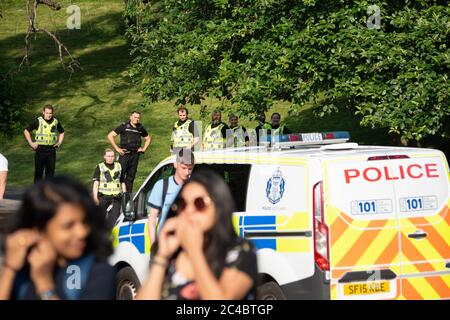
[(364, 232), (422, 196)]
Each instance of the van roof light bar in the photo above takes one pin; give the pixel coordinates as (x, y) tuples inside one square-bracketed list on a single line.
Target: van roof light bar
[(287, 141)]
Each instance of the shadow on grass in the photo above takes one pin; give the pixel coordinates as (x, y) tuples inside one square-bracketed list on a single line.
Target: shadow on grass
[(96, 48), (100, 48)]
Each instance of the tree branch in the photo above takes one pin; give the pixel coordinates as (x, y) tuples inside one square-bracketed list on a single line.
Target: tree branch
[(32, 29), (51, 4)]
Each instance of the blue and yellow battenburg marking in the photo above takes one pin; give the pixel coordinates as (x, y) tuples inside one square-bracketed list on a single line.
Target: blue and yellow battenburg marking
[(275, 223), (135, 233)]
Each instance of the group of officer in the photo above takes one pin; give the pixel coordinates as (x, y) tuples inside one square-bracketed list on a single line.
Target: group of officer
[(218, 135), (113, 178)]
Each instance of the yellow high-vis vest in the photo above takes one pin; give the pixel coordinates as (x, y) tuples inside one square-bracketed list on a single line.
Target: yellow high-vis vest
[(213, 140), (181, 136), (46, 134), (238, 136), (274, 132), (110, 179)]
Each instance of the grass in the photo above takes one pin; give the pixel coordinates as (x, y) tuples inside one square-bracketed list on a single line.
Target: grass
[(93, 101)]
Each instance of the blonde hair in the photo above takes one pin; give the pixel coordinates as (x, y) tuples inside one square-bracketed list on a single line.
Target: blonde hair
[(108, 150)]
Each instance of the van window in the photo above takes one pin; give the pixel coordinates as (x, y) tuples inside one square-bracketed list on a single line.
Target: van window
[(236, 176), (141, 201)]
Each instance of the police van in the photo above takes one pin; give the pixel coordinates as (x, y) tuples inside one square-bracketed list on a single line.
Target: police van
[(330, 219)]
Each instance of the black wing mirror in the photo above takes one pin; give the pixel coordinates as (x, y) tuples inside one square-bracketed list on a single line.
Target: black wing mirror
[(128, 207)]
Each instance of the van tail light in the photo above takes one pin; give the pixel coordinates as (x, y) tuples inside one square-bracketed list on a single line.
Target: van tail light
[(390, 157), (398, 156), (321, 231)]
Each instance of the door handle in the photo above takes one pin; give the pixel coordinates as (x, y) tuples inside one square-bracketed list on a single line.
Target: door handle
[(447, 265), (418, 234)]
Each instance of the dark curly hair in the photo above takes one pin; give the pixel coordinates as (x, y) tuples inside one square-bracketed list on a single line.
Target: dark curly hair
[(42, 200)]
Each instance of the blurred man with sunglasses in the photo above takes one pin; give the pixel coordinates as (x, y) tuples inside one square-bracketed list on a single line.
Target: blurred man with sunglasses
[(166, 190)]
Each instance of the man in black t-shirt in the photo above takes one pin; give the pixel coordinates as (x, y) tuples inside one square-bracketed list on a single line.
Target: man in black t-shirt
[(46, 141), (130, 146), (262, 123)]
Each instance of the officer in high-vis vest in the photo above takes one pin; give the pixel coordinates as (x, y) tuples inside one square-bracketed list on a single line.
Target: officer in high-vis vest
[(49, 136), (184, 132), (275, 128), (215, 135), (240, 136), (108, 186)]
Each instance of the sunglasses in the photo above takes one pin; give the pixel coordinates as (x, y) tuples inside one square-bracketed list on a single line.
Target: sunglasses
[(200, 204)]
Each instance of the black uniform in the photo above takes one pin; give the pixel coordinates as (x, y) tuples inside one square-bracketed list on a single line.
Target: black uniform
[(45, 156), (258, 128), (107, 200), (130, 140)]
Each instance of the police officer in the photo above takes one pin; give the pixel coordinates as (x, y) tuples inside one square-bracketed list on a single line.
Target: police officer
[(108, 186), (260, 126), (46, 141), (215, 136), (184, 132), (275, 127), (240, 136), (130, 146)]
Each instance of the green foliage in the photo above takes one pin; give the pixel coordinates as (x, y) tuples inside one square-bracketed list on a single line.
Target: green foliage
[(253, 52), (11, 108)]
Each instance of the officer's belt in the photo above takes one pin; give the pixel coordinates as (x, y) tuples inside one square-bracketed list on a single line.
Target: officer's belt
[(115, 196)]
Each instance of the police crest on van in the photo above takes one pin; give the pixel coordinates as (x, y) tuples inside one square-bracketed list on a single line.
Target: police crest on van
[(275, 187)]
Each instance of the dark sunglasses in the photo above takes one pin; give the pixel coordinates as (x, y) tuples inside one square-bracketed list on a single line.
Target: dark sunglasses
[(200, 203)]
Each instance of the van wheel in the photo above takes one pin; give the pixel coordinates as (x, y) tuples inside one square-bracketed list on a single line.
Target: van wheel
[(270, 291), (127, 284)]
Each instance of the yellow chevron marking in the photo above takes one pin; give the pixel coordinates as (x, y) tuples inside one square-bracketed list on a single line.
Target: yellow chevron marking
[(400, 296), (423, 246), (377, 247), (423, 288), (332, 213), (446, 279), (444, 230), (345, 243)]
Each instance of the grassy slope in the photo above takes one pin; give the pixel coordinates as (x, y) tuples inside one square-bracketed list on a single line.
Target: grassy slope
[(95, 100)]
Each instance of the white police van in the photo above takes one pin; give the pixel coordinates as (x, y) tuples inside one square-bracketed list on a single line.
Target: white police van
[(330, 220)]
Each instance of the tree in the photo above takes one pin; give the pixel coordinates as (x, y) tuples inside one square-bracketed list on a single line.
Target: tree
[(331, 53), (31, 11), (31, 6)]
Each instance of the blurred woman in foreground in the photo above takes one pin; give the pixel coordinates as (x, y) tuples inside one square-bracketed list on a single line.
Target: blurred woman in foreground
[(199, 255), (58, 246)]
